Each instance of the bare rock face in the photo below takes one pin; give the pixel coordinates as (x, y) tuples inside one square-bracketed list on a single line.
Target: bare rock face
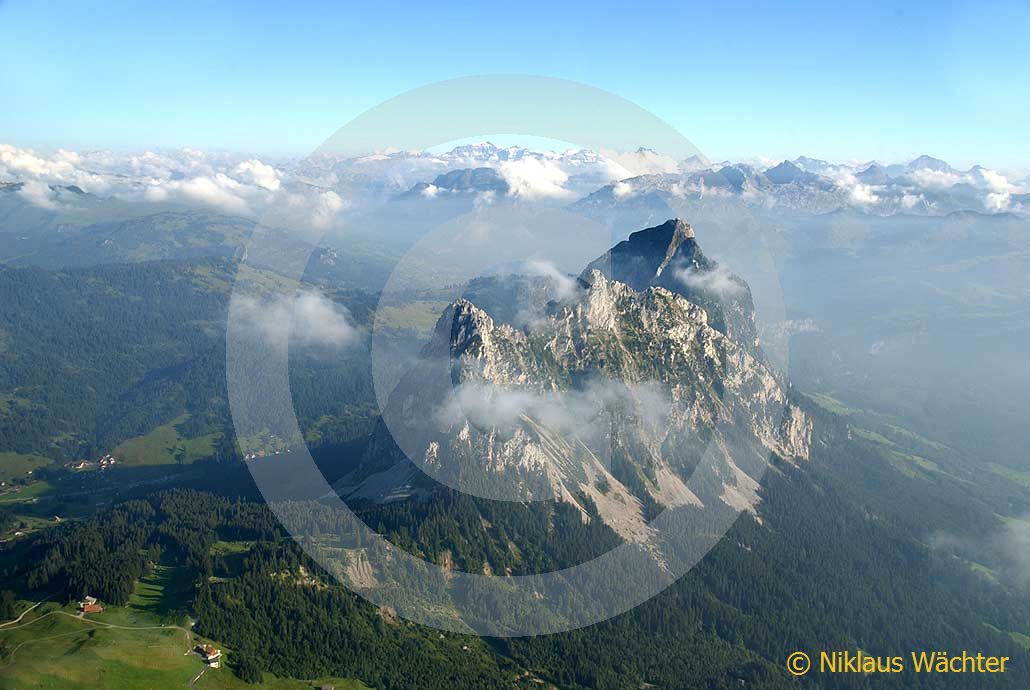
[(624, 399), (669, 256), (641, 260)]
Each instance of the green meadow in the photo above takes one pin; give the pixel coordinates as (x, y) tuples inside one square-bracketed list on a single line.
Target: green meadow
[(162, 446), (128, 648)]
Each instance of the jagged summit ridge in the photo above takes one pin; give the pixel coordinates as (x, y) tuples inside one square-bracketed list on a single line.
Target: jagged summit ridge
[(669, 256), (640, 260)]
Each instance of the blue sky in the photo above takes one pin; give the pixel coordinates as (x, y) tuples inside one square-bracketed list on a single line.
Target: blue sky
[(856, 81)]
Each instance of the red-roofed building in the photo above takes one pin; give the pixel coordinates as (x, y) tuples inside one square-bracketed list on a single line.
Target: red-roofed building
[(211, 656)]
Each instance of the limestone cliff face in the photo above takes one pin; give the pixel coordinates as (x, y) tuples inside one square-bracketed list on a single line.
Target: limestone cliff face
[(610, 402), (669, 256)]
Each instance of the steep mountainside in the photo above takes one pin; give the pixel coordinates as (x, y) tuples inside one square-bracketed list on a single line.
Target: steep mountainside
[(611, 401)]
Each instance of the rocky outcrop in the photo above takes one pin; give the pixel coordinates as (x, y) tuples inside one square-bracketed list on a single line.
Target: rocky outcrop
[(668, 255)]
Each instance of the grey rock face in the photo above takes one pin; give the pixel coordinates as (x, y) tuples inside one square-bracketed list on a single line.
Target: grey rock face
[(668, 255), (611, 401)]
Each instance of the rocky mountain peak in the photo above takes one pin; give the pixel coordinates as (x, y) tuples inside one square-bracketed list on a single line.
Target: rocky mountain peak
[(640, 260), (616, 399), (669, 256), (461, 328), (619, 397), (925, 162), (788, 172)]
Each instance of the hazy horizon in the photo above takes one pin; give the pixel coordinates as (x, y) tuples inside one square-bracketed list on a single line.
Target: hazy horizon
[(880, 81)]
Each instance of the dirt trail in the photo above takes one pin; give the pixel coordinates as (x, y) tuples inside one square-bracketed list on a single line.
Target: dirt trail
[(18, 619)]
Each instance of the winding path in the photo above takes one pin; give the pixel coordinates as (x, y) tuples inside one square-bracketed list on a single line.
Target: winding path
[(18, 619)]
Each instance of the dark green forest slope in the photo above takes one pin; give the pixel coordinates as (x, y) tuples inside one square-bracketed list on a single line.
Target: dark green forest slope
[(93, 356)]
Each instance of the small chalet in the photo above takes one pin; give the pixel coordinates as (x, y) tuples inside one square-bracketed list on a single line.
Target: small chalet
[(211, 656), (90, 605)]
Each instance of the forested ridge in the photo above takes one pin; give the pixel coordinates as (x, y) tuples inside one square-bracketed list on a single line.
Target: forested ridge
[(92, 356)]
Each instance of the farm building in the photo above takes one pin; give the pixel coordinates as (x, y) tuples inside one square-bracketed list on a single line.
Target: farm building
[(90, 605), (211, 656)]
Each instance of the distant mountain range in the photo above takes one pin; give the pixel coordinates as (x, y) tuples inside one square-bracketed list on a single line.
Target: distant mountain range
[(317, 190)]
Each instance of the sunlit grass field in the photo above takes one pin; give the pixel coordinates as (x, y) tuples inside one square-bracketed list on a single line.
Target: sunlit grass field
[(123, 648)]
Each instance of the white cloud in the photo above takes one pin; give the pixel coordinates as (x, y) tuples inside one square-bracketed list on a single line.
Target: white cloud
[(218, 190), (307, 193), (564, 284), (997, 188), (1014, 543), (614, 171), (37, 172), (27, 162), (319, 321), (38, 193), (934, 179), (584, 414), (863, 195), (621, 190), (430, 191), (532, 178), (991, 180), (69, 157), (719, 281), (640, 162), (859, 194), (997, 202), (230, 182), (303, 211), (308, 318), (325, 209), (759, 162), (1008, 549), (912, 200), (259, 173), (680, 190)]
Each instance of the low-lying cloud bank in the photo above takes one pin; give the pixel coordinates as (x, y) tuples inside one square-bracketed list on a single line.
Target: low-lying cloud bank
[(1014, 543), (233, 184), (307, 318), (316, 191), (583, 415), (719, 281)]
